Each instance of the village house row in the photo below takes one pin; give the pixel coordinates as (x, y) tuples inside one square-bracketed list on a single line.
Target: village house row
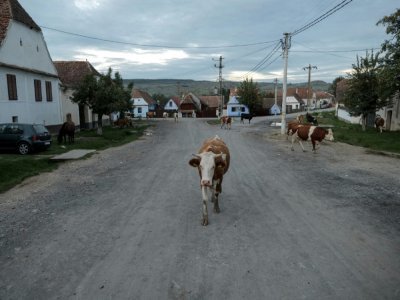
[(35, 89)]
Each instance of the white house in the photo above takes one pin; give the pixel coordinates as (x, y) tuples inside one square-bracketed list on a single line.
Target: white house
[(172, 104), (293, 102), (29, 90), (234, 108), (141, 103)]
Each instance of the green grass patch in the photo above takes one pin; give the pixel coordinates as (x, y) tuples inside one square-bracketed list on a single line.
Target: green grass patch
[(14, 168), (354, 135)]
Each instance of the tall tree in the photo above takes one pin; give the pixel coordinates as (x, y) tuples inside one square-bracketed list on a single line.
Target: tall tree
[(248, 93), (391, 55), (103, 95), (362, 96), (333, 86)]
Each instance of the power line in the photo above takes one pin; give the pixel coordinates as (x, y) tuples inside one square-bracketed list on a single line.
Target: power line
[(322, 17), (155, 45)]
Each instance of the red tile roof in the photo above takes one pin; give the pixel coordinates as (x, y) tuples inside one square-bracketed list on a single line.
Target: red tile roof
[(142, 94), (72, 73), (210, 101), (12, 10)]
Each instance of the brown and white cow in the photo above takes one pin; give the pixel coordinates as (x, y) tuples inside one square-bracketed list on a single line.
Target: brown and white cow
[(379, 122), (226, 122), (212, 162), (292, 127), (313, 133)]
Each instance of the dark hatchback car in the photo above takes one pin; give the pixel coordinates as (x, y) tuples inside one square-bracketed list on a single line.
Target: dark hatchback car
[(24, 138)]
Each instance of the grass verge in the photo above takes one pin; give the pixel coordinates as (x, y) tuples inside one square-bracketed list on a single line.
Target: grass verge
[(14, 168)]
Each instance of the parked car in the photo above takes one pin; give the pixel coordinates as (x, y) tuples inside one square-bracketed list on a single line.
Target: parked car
[(24, 138)]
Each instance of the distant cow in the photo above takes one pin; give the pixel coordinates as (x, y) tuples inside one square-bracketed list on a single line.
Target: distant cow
[(122, 123), (314, 133), (212, 162), (165, 115), (379, 122), (150, 114), (226, 122), (175, 116), (67, 130), (245, 116), (311, 119)]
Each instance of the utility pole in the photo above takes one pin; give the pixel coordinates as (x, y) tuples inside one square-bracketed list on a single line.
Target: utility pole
[(276, 91), (285, 47), (221, 106), (309, 84)]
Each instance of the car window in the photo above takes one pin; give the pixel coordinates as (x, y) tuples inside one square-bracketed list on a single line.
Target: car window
[(2, 128), (13, 129), (40, 128)]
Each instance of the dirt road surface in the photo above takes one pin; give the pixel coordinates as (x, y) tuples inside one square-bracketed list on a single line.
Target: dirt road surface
[(125, 223)]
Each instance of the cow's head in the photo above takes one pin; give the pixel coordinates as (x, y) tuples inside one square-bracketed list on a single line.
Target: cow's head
[(207, 162), (329, 135)]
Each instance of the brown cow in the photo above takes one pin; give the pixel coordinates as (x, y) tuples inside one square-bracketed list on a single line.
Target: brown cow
[(212, 162), (150, 114), (314, 133), (226, 122), (379, 122)]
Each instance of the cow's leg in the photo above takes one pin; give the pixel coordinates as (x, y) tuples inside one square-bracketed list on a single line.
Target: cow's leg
[(301, 144), (204, 220), (215, 192), (294, 138)]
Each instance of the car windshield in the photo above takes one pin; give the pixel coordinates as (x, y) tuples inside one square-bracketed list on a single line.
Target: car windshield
[(40, 128)]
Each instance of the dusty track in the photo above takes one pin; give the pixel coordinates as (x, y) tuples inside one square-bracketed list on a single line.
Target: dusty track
[(125, 223)]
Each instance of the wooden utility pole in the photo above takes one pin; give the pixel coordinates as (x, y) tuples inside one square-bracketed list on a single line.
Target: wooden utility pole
[(221, 106), (285, 47), (309, 84)]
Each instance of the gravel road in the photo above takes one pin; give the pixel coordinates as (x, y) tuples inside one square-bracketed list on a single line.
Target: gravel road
[(125, 223)]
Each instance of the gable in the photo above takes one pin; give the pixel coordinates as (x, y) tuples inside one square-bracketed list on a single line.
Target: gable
[(12, 10)]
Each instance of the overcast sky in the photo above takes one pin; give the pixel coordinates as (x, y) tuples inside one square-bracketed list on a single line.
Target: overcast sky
[(181, 39)]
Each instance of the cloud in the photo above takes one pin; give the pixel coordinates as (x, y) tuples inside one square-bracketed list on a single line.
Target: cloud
[(103, 59), (87, 4)]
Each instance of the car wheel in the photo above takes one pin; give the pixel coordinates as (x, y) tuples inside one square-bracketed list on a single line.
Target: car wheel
[(24, 148)]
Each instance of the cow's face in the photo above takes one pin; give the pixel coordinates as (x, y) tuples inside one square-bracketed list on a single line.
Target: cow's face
[(207, 162), (329, 135)]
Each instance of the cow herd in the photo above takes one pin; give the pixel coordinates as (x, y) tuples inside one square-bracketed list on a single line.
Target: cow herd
[(213, 158)]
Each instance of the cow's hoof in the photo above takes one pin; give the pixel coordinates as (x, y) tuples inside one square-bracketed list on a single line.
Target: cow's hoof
[(204, 222), (217, 210)]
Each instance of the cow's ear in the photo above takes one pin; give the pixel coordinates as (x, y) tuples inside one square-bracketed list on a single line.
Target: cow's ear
[(195, 161)]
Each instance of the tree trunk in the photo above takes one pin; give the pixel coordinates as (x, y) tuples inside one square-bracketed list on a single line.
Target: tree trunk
[(100, 124), (364, 121)]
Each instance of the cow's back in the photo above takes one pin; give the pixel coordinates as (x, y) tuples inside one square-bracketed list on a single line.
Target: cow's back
[(217, 146)]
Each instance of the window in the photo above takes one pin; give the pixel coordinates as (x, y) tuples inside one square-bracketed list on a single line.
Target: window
[(12, 87), (139, 110), (233, 109), (49, 93), (38, 90), (15, 119), (170, 104)]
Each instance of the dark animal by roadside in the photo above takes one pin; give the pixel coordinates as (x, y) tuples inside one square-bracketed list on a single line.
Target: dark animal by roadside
[(245, 116), (313, 133), (122, 123), (379, 122), (212, 162), (311, 119), (67, 130)]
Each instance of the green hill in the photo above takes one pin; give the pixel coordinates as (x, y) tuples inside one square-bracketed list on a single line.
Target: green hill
[(174, 87)]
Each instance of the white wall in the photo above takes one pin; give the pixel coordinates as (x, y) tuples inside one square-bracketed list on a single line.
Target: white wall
[(32, 54), (26, 108)]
